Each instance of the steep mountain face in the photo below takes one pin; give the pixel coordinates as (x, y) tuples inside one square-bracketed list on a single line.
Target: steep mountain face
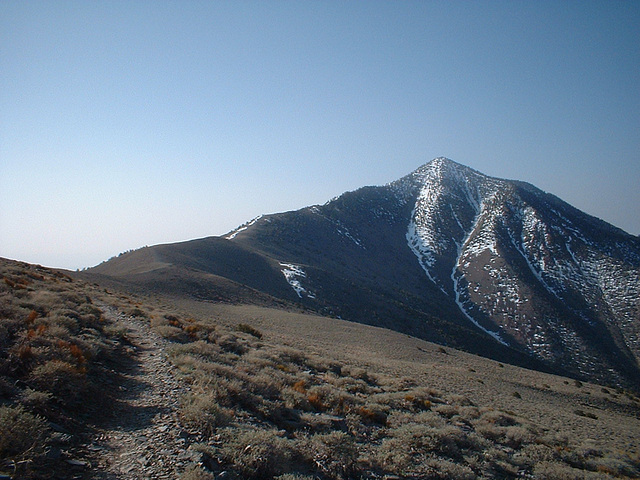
[(529, 269), (496, 267)]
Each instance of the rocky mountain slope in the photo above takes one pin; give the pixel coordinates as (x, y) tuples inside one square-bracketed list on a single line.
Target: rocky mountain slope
[(492, 266)]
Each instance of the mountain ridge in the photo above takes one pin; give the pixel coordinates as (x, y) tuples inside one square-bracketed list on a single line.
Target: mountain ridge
[(448, 254)]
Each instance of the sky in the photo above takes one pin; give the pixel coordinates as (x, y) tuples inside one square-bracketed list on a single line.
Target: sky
[(125, 124)]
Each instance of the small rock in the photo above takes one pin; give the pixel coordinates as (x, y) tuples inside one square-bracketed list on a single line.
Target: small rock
[(52, 454), (77, 463), (58, 428)]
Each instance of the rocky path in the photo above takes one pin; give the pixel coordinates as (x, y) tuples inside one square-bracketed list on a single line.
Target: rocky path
[(142, 439)]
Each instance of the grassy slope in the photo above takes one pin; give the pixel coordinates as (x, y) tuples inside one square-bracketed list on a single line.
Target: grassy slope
[(548, 400), (313, 397)]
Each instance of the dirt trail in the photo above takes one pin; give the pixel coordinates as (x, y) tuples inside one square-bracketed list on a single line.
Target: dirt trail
[(142, 439)]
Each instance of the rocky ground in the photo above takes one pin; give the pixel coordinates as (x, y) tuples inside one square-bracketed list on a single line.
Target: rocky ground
[(142, 438)]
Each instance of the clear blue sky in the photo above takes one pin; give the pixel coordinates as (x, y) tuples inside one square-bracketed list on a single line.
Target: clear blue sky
[(125, 124)]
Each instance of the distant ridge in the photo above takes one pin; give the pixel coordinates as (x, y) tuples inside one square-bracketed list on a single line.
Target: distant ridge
[(496, 267)]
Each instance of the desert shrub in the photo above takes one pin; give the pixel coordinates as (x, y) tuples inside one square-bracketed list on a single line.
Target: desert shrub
[(357, 373), (558, 471), (469, 413), (37, 401), (199, 331), (328, 398), (202, 413), (335, 454), (137, 312), (115, 331), (374, 413), (21, 433), (617, 467), (201, 349), (267, 384), (534, 453), (196, 473), (516, 437), (244, 328), (288, 355), (7, 387), (447, 411), (318, 364), (398, 418), (294, 398), (256, 454), (491, 432), (443, 469), (294, 476), (498, 418), (513, 436), (5, 334), (65, 381), (349, 384), (171, 333), (232, 344), (409, 446), (460, 400), (582, 413)]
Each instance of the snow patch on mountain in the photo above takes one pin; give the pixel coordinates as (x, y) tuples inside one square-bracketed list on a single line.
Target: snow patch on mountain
[(294, 274), (462, 304), (421, 249), (344, 231), (231, 235), (450, 201), (341, 229)]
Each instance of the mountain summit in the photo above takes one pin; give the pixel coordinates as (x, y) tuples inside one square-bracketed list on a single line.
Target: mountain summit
[(496, 267)]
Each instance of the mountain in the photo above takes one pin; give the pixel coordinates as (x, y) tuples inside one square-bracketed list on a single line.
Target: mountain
[(496, 267)]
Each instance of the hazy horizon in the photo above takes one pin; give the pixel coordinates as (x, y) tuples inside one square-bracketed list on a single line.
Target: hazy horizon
[(129, 124)]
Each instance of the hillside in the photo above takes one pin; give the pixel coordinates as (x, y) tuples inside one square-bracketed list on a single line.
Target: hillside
[(103, 383), (494, 267)]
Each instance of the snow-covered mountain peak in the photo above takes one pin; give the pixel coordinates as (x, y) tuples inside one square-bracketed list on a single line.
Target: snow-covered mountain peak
[(443, 167), (455, 256)]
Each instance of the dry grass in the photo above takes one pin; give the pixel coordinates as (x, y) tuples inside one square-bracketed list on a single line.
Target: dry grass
[(315, 416), (54, 346)]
